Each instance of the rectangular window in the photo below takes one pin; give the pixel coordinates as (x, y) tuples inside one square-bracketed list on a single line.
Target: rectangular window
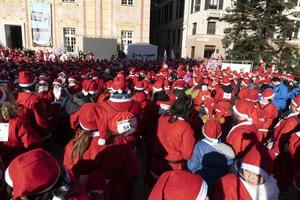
[(195, 6), (211, 28), (127, 2), (214, 4), (209, 51), (194, 28), (192, 51), (69, 39), (126, 37), (192, 6)]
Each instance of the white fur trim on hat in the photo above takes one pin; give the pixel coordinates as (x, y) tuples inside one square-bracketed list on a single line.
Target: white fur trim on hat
[(213, 140), (85, 93), (138, 88), (120, 100), (92, 92), (8, 179), (241, 114), (101, 141), (3, 98), (83, 127), (157, 89), (298, 133), (27, 85), (178, 88), (254, 169), (203, 191)]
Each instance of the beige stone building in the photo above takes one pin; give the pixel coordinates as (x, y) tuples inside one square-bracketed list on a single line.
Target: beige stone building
[(198, 32), (127, 21)]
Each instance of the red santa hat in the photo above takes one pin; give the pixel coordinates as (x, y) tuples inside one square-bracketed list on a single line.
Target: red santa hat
[(31, 173), (170, 186), (296, 102), (226, 81), (243, 109), (268, 94), (72, 78), (139, 85), (259, 160), (87, 117), (89, 87), (179, 84), (245, 82), (2, 96), (158, 86), (212, 129), (118, 86), (252, 95), (57, 82), (26, 79), (43, 80)]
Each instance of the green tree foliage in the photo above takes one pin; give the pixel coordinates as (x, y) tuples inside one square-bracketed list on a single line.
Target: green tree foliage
[(260, 30)]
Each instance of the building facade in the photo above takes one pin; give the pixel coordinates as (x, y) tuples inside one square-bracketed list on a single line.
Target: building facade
[(201, 29), (50, 24)]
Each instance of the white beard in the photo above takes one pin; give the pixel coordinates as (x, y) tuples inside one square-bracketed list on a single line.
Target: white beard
[(266, 191), (57, 93)]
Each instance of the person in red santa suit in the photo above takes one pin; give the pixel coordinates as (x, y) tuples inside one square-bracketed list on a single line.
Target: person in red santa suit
[(175, 138), (88, 152), (170, 186), (286, 126), (31, 107), (121, 114), (243, 135), (44, 92), (16, 134), (254, 179), (269, 113), (36, 175), (73, 85), (223, 96), (139, 94)]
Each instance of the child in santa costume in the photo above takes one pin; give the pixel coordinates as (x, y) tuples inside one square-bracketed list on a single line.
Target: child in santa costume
[(174, 141), (243, 135), (170, 186), (254, 180), (286, 126), (30, 107), (269, 113), (17, 135), (211, 158), (37, 175)]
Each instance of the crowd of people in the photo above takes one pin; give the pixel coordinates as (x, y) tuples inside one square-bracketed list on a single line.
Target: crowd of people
[(70, 130)]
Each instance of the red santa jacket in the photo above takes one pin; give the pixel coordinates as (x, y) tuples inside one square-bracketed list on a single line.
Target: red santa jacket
[(173, 144), (46, 97), (230, 187), (21, 136), (242, 137), (34, 110), (283, 129)]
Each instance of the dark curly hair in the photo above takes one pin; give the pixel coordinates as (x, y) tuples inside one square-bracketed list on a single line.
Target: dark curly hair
[(182, 107)]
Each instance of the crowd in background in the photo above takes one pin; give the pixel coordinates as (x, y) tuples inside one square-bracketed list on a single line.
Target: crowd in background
[(70, 129)]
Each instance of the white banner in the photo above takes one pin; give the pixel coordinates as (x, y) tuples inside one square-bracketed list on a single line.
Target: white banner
[(237, 67), (40, 16)]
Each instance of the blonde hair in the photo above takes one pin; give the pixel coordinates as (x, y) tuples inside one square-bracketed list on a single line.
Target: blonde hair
[(9, 108)]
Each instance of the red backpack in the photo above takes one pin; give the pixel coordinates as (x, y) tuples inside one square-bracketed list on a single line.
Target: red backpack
[(120, 122)]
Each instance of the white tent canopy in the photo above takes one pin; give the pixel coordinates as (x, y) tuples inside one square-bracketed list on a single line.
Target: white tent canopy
[(142, 51)]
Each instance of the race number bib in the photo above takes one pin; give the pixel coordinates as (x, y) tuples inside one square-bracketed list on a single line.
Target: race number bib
[(127, 126), (4, 127), (227, 95)]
